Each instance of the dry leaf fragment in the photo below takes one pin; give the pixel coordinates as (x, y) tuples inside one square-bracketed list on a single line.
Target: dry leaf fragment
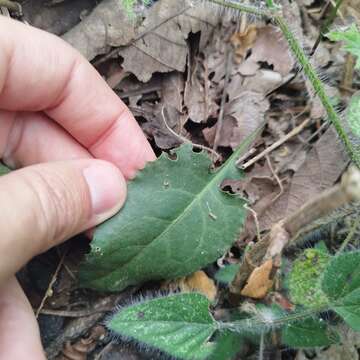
[(259, 282), (242, 42), (165, 48), (107, 25), (198, 281)]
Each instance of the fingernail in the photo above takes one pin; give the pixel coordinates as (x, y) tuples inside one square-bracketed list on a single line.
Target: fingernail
[(107, 188)]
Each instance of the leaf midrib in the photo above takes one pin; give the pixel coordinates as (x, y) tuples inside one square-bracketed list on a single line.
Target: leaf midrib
[(197, 196)]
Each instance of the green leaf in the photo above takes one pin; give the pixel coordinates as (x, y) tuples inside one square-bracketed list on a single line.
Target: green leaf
[(176, 220), (227, 345), (227, 273), (351, 38), (179, 325), (353, 114), (305, 278), (342, 276), (308, 333), (4, 169), (341, 284), (349, 309)]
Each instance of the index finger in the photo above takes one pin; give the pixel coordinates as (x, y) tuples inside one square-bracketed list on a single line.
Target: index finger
[(40, 72)]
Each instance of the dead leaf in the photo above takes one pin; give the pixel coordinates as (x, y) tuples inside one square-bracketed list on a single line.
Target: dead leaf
[(165, 49), (270, 47), (171, 104), (323, 166), (242, 116), (107, 25), (259, 282), (198, 281), (242, 42)]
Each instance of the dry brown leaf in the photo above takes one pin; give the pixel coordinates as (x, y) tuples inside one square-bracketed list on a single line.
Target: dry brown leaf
[(323, 166), (242, 116), (171, 93), (259, 282), (242, 42), (165, 48), (272, 48), (107, 25), (198, 281)]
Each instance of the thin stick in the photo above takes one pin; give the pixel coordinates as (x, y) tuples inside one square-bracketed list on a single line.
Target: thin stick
[(184, 139), (74, 313), (276, 178), (223, 98), (52, 282), (257, 225), (276, 144)]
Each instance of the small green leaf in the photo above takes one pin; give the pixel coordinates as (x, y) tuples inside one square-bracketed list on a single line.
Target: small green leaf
[(175, 221), (304, 280), (4, 169), (227, 273), (353, 114), (308, 333), (179, 325), (351, 38)]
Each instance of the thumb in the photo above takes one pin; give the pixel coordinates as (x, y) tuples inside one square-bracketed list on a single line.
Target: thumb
[(43, 205)]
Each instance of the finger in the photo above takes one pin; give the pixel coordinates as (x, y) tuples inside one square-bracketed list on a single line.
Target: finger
[(32, 138), (19, 332), (54, 78), (43, 205)]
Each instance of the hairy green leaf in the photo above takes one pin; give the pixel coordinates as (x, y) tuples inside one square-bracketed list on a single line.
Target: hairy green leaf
[(349, 309), (341, 284), (227, 273), (308, 333), (342, 276), (351, 38), (175, 221), (179, 325), (304, 280)]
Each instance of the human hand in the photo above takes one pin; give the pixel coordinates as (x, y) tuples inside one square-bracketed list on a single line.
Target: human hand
[(58, 113)]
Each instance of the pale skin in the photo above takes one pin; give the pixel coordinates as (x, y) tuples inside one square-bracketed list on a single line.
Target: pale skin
[(74, 143)]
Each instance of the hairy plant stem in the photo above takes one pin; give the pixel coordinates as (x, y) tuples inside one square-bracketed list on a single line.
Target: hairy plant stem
[(318, 86), (258, 323)]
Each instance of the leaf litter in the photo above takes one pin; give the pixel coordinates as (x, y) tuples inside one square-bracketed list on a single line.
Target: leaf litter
[(183, 75)]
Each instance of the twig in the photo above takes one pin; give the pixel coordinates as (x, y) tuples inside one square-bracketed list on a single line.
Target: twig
[(49, 290), (74, 313), (184, 139), (276, 144), (254, 214), (223, 97), (276, 178)]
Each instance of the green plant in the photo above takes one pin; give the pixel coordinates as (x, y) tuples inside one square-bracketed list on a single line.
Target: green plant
[(182, 325), (180, 204)]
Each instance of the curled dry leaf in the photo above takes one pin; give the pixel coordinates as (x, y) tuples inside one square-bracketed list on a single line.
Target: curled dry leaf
[(198, 282), (259, 282)]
